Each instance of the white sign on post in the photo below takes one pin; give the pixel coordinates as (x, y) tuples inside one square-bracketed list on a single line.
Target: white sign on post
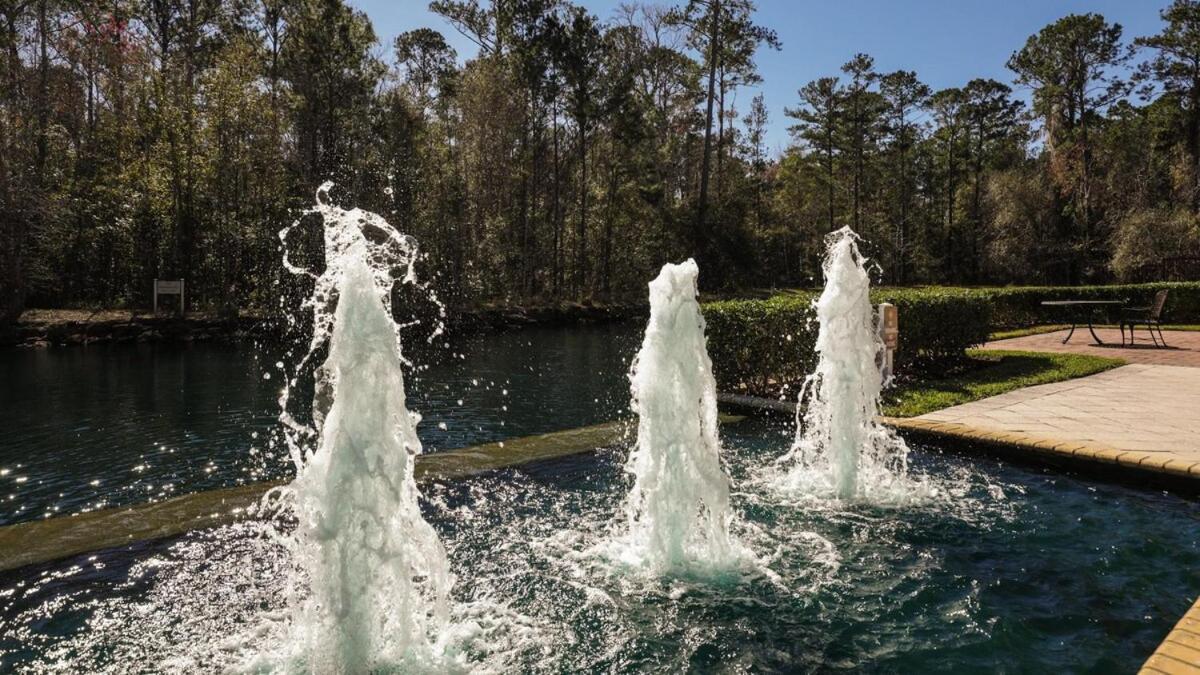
[(168, 287)]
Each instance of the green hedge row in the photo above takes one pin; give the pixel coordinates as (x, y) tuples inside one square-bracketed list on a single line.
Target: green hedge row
[(760, 345), (1020, 306)]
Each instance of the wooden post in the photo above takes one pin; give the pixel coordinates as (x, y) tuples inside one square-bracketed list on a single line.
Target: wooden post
[(888, 325)]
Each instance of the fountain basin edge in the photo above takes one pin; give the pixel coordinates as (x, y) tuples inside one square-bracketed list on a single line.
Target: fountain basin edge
[(40, 541)]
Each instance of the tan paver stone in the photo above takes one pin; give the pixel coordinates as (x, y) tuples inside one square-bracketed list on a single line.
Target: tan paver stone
[(1169, 666), (1175, 650), (1155, 461), (1185, 638), (1179, 466)]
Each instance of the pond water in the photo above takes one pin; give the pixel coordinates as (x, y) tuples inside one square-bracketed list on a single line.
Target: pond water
[(1007, 568), (110, 425), (1010, 570)]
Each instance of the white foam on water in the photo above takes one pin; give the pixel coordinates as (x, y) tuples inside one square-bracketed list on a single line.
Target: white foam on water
[(678, 513), (841, 450)]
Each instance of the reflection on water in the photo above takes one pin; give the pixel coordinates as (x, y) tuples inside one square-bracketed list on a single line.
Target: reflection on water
[(108, 425)]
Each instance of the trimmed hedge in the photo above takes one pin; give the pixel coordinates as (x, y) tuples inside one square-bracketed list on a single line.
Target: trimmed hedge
[(760, 345), (1020, 306)]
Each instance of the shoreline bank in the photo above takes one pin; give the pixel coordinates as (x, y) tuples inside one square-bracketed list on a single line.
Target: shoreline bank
[(39, 328)]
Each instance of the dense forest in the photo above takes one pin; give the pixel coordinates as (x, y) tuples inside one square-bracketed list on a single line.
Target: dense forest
[(571, 154)]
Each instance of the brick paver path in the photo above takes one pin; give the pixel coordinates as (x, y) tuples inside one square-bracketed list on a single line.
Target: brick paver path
[(1183, 350)]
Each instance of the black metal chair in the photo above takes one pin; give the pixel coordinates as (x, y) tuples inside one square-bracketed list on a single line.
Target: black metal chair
[(1150, 317)]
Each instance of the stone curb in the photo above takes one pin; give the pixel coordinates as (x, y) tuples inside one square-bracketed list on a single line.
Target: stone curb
[(39, 541), (1179, 653), (1078, 452)]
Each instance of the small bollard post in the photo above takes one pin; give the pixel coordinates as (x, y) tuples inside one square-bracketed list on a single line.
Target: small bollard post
[(888, 325)]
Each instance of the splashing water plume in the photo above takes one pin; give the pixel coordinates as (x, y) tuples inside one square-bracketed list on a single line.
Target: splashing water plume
[(678, 509), (841, 449), (376, 572)]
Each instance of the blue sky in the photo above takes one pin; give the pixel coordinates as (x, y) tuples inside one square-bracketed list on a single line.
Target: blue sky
[(947, 42)]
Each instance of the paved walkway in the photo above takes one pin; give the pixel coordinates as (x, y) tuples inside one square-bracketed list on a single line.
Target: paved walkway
[(1183, 350), (1145, 415), (1141, 415)]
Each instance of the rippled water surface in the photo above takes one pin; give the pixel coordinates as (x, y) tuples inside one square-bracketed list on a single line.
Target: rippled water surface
[(108, 425), (1007, 569)]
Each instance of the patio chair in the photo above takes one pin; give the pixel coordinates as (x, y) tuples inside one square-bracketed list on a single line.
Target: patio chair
[(1150, 317)]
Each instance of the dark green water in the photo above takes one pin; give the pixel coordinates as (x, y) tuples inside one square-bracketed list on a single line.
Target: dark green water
[(1011, 570), (109, 425)]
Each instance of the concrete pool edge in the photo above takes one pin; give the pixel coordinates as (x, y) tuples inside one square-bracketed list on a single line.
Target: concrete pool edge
[(1179, 653), (40, 541), (1161, 468)]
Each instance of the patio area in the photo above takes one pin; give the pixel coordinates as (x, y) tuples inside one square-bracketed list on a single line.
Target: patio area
[(1183, 346), (1142, 415)]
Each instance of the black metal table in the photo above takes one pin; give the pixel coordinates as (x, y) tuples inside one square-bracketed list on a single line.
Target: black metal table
[(1092, 304)]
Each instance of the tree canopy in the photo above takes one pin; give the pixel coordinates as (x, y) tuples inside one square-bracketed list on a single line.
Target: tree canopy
[(571, 154)]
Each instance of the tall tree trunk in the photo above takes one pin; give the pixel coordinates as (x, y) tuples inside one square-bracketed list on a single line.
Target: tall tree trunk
[(12, 286), (1085, 196), (43, 98), (977, 204), (702, 206), (1194, 138), (607, 245), (720, 131), (520, 267), (902, 227), (859, 141), (948, 266), (581, 228), (829, 176), (556, 213)]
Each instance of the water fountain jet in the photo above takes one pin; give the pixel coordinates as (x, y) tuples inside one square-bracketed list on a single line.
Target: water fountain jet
[(678, 510), (841, 449), (374, 575)]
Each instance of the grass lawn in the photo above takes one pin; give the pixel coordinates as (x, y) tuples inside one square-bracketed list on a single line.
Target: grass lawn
[(990, 373), (1022, 332)]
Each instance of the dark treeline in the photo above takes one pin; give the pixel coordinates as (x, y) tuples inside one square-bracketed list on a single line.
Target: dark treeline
[(569, 156)]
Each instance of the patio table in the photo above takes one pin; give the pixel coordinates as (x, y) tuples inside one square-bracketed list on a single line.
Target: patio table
[(1092, 305)]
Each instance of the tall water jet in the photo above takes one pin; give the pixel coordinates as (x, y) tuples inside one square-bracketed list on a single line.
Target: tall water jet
[(678, 510), (840, 448), (375, 572)]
